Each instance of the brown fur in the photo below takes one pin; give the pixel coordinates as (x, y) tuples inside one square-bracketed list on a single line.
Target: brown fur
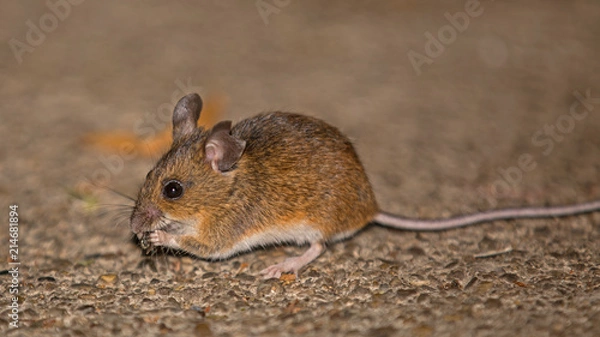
[(294, 170)]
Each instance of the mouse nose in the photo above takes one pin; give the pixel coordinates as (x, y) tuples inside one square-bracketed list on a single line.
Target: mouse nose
[(143, 217)]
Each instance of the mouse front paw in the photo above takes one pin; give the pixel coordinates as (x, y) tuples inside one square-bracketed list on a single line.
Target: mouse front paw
[(161, 238)]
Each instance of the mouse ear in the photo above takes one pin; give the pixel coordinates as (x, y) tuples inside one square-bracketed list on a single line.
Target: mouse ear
[(222, 150), (186, 115)]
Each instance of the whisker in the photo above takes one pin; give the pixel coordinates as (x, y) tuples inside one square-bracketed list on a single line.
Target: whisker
[(121, 222), (117, 205), (113, 216), (114, 213), (119, 193)]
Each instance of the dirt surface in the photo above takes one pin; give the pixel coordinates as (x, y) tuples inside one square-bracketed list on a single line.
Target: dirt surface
[(493, 116)]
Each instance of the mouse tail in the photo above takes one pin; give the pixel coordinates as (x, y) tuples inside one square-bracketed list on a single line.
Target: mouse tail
[(398, 222)]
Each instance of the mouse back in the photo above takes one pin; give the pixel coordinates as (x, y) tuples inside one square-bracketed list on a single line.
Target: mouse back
[(310, 172)]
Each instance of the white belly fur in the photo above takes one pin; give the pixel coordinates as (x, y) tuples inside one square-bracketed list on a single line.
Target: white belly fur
[(299, 234)]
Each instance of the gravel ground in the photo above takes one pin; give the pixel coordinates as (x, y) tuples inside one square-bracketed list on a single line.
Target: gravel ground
[(493, 113)]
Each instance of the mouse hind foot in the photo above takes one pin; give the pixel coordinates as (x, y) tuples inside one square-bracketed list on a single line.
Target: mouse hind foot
[(294, 264)]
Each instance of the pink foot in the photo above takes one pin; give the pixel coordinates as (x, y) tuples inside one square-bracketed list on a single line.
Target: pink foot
[(294, 264)]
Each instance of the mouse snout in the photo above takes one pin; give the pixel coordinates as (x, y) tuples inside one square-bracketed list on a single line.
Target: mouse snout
[(143, 218)]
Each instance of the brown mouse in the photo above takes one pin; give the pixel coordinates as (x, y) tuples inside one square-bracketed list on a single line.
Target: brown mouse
[(274, 178)]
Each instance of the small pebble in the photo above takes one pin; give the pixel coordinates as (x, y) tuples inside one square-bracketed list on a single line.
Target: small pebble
[(109, 278)]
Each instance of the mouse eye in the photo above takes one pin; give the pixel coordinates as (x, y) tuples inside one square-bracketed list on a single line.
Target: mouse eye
[(172, 190)]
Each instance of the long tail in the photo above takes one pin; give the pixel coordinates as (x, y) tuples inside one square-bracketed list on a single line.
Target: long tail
[(398, 222)]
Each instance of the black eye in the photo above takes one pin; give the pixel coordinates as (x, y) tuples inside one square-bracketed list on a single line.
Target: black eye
[(172, 190)]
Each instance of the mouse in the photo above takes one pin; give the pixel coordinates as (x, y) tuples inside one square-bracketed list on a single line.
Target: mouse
[(275, 178)]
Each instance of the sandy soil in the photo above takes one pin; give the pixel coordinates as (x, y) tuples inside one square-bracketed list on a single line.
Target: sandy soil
[(492, 113)]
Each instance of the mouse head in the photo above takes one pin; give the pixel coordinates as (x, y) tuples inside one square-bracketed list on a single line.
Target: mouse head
[(193, 181)]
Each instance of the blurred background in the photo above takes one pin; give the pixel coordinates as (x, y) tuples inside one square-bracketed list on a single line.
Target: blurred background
[(453, 87), (454, 106)]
